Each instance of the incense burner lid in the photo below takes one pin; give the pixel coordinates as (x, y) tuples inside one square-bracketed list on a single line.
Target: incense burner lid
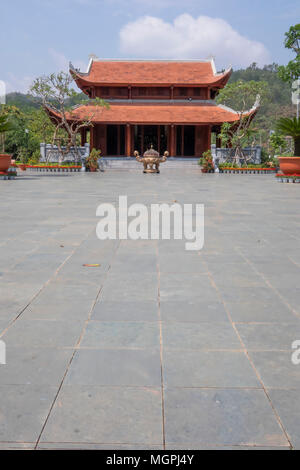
[(151, 153)]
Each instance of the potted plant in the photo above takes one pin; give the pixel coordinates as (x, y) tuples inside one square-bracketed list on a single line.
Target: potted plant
[(23, 156), (207, 162), (290, 165), (91, 163), (5, 159)]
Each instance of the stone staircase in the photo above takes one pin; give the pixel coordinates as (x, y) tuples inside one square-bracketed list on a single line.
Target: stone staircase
[(130, 163)]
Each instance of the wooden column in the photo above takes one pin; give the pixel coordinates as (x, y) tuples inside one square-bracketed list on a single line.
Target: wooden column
[(158, 139), (82, 136), (172, 141), (128, 140), (118, 144), (142, 139), (92, 138)]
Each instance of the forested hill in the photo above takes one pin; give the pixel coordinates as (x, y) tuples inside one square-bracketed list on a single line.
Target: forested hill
[(280, 91), (26, 102), (279, 102)]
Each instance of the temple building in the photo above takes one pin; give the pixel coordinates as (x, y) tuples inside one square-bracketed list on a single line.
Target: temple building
[(167, 103)]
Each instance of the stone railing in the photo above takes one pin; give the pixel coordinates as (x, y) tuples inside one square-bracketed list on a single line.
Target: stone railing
[(50, 153), (220, 155)]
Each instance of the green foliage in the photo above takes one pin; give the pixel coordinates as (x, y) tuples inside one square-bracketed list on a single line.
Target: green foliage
[(241, 95), (277, 143), (290, 127), (207, 162), (23, 155), (35, 158), (277, 104), (6, 125), (291, 71), (17, 137), (24, 102)]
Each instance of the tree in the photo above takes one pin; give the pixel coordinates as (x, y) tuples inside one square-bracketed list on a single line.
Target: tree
[(291, 71), (40, 125), (277, 143), (241, 95), (291, 127), (5, 126), (17, 137), (55, 91)]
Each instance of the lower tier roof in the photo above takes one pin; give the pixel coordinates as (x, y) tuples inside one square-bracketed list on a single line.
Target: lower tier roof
[(144, 113)]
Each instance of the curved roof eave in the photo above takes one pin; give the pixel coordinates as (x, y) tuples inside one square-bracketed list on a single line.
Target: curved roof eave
[(83, 77)]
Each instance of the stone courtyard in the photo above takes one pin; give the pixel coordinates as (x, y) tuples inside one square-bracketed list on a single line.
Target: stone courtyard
[(158, 347)]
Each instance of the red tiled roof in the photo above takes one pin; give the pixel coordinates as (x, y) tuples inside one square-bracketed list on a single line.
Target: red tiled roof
[(144, 113), (154, 73)]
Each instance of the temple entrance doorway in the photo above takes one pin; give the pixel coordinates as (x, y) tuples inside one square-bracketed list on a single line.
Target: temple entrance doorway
[(185, 141), (146, 135), (115, 140)]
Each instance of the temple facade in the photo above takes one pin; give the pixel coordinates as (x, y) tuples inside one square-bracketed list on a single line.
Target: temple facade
[(167, 103)]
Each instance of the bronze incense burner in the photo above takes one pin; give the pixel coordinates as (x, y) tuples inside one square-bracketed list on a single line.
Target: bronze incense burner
[(151, 160)]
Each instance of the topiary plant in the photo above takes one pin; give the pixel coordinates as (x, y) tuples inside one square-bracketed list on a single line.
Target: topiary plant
[(92, 161)]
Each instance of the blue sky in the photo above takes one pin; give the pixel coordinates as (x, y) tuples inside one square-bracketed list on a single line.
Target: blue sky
[(40, 36)]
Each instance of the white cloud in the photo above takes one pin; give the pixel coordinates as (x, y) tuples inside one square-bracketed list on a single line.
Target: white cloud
[(190, 38)]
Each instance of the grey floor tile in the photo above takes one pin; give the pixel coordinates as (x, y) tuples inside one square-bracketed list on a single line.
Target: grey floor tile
[(125, 311), (224, 369), (17, 445), (37, 366), (84, 446), (115, 367), (286, 403), (130, 286), (184, 286), (203, 335), (222, 417), (276, 369), (134, 263), (23, 410), (248, 294), (192, 311), (43, 333), (272, 336), (59, 311), (220, 447), (112, 415), (184, 262), (272, 311), (119, 335)]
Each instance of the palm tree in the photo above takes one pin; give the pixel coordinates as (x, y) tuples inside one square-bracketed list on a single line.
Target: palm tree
[(5, 126), (291, 127)]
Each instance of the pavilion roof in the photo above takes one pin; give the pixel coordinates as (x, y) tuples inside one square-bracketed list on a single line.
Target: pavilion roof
[(206, 112), (151, 73)]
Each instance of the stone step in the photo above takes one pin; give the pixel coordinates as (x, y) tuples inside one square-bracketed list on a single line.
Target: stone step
[(131, 163)]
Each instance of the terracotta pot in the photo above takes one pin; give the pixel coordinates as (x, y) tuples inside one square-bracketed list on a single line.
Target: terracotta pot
[(93, 169), (22, 167), (5, 161), (289, 165)]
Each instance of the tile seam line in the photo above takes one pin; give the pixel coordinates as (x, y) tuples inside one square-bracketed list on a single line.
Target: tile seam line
[(76, 346), (161, 345), (269, 284), (276, 415)]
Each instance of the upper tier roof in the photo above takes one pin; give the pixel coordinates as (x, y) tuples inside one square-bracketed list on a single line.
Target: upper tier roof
[(151, 72)]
